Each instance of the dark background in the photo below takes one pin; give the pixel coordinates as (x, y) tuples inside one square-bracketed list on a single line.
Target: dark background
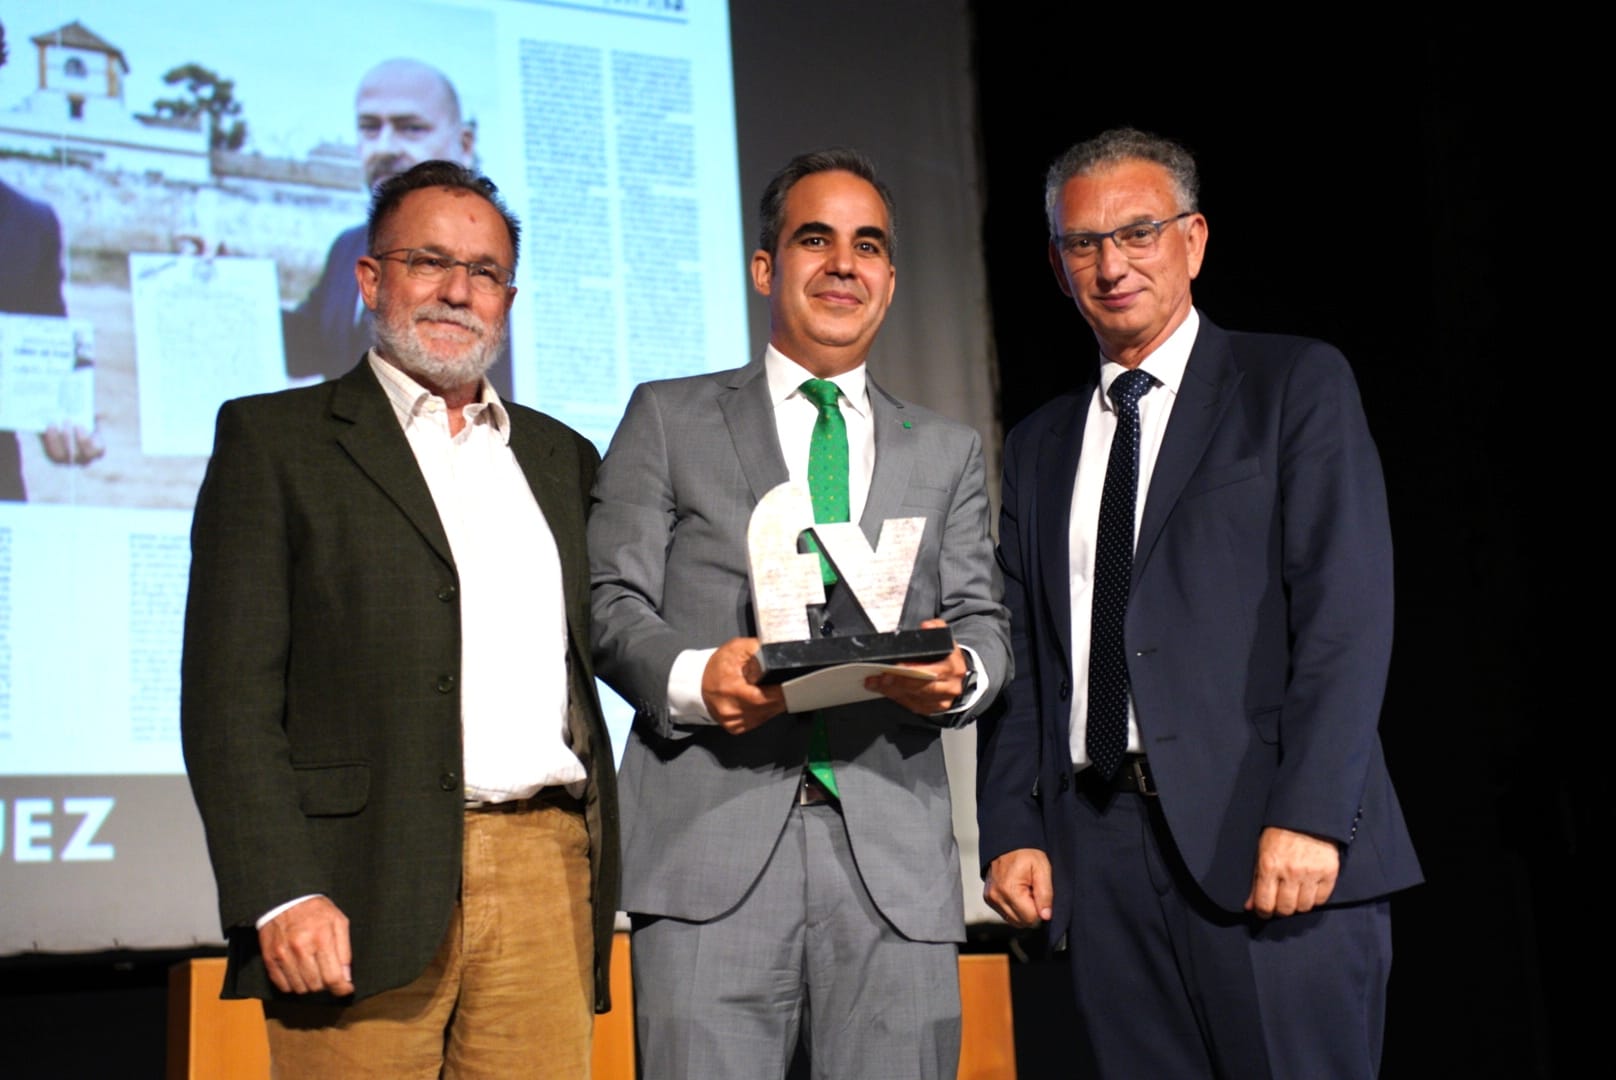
[(1365, 185)]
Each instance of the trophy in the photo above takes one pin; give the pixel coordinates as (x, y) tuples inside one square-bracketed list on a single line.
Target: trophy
[(817, 672)]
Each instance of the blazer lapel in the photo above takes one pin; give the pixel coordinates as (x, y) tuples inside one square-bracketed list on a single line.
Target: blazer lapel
[(894, 459), (379, 447), (749, 415), (1210, 379), (1057, 473)]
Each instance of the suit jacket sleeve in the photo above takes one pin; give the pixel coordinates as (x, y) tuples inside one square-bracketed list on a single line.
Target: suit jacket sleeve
[(1008, 737), (970, 590), (632, 518), (1336, 565), (233, 702)]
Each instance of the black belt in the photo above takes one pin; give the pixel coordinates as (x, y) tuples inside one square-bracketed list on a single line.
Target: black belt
[(1132, 778)]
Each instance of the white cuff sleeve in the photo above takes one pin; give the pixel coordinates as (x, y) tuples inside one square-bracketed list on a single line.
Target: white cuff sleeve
[(289, 905), (684, 685)]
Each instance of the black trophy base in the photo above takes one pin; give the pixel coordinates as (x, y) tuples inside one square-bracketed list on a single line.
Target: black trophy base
[(780, 661)]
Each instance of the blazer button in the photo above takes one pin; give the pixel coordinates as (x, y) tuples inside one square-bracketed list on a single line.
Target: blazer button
[(448, 781), (1065, 690), (447, 593), (1065, 780), (446, 683)]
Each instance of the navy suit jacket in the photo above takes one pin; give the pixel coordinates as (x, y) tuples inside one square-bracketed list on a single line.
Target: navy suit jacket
[(322, 334), (31, 272), (1258, 631)]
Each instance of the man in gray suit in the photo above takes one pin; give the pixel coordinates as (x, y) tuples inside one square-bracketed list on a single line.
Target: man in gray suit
[(791, 873)]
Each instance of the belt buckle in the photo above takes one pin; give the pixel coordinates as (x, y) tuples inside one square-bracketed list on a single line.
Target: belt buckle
[(1139, 773)]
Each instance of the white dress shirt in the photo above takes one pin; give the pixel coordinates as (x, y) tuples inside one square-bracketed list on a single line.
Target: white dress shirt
[(513, 624), (1166, 367)]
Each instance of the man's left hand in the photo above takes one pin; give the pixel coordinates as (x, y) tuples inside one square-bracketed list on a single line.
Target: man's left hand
[(925, 698), (1295, 873)]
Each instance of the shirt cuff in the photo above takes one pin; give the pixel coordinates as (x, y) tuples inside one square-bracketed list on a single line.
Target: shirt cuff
[(684, 685), (288, 906)]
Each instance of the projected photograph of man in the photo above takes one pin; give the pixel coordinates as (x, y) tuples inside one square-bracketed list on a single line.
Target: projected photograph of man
[(208, 196), (406, 111)]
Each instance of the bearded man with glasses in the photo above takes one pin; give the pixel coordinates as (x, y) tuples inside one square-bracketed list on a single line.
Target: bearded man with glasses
[(388, 709)]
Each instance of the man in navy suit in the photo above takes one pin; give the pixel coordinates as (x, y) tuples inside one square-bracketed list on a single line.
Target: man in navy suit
[(1187, 783), (406, 112)]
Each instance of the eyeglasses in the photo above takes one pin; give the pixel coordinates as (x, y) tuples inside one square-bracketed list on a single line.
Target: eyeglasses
[(1134, 240), (429, 265)]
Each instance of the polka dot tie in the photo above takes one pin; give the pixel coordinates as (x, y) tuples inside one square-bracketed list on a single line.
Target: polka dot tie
[(827, 461), (827, 483), (1106, 737)]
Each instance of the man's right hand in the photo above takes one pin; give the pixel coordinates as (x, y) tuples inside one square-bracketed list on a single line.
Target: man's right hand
[(306, 949), (1019, 887), (733, 699)]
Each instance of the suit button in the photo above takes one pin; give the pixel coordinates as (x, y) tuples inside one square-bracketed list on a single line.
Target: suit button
[(447, 593), (1065, 780), (446, 683), (448, 781), (1065, 690), (827, 629)]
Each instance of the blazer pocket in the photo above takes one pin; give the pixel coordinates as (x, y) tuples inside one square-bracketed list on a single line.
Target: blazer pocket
[(1222, 476), (334, 789), (1266, 721)]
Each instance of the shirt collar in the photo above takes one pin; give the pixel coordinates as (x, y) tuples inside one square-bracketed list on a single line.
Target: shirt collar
[(1165, 365), (410, 399), (786, 376)]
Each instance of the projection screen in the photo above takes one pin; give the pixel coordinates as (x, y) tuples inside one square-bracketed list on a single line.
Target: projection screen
[(194, 183)]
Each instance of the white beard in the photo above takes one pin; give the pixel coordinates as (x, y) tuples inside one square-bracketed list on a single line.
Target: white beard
[(398, 341)]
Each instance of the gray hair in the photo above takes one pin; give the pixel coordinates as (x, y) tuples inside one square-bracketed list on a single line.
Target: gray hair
[(772, 209), (1115, 147), (385, 200)]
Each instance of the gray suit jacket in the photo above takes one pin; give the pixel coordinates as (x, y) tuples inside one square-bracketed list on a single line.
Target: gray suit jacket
[(702, 809), (320, 708)]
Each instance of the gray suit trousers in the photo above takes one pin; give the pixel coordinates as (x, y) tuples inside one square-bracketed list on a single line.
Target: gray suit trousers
[(806, 950)]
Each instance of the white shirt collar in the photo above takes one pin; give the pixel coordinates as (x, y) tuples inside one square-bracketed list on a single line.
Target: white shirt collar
[(1166, 365), (786, 376), (410, 399)]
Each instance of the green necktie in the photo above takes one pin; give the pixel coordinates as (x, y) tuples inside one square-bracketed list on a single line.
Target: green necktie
[(827, 483), (827, 462)]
